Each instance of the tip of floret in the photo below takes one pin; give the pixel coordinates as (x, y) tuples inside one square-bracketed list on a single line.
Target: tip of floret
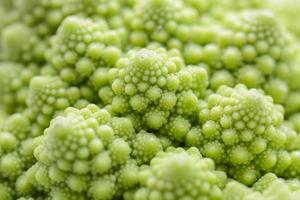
[(179, 167), (38, 82), (60, 128), (70, 24), (253, 99), (264, 16), (145, 59)]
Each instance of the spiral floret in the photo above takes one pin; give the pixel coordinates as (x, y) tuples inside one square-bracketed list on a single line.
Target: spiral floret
[(153, 84), (241, 129), (82, 151), (47, 96), (257, 51), (159, 20), (81, 45), (288, 11), (179, 174)]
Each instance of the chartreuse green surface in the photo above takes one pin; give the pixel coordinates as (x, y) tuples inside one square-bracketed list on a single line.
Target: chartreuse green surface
[(149, 100)]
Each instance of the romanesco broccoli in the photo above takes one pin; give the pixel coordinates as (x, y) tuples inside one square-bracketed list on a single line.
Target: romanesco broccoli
[(149, 100)]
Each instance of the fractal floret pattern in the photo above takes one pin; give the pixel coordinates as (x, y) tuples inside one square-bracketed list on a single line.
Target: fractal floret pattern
[(149, 100)]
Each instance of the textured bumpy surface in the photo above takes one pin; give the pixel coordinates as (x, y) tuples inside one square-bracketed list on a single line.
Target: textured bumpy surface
[(149, 100)]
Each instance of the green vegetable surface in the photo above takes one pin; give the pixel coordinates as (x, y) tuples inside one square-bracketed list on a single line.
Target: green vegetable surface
[(149, 100)]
